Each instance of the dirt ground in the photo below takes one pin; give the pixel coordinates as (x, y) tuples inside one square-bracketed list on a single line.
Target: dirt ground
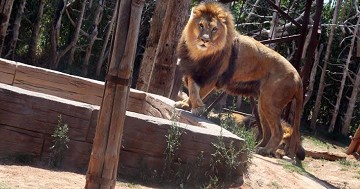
[(264, 172)]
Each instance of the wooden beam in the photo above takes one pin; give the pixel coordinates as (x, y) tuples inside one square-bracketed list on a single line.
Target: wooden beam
[(103, 164), (355, 142)]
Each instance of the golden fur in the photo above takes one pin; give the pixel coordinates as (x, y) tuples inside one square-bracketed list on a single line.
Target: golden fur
[(283, 148), (212, 55)]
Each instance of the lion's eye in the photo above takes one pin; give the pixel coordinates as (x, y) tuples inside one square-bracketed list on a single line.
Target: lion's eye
[(214, 29), (201, 26)]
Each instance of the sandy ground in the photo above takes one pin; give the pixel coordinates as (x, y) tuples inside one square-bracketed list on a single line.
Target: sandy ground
[(264, 172)]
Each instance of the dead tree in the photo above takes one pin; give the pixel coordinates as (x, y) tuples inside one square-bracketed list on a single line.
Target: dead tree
[(104, 50), (76, 33), (162, 75), (55, 54), (35, 33), (151, 45), (93, 35), (273, 24), (324, 67), (313, 74), (103, 164), (356, 84), (5, 11), (15, 32)]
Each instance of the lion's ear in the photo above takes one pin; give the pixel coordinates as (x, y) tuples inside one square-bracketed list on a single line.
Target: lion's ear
[(223, 17), (195, 13)]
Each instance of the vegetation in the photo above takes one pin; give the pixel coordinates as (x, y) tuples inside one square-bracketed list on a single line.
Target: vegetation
[(60, 140), (173, 137), (293, 168), (4, 186)]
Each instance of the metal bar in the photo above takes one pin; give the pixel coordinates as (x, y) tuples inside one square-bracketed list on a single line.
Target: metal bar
[(213, 104), (282, 39), (314, 39), (303, 33), (282, 13)]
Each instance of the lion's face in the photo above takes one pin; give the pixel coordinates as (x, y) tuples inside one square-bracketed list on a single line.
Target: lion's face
[(209, 33), (208, 29)]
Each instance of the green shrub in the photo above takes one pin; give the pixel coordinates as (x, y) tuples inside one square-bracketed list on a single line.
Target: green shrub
[(60, 143)]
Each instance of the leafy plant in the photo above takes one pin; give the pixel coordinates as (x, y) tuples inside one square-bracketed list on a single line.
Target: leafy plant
[(228, 122), (226, 157), (60, 140), (173, 137)]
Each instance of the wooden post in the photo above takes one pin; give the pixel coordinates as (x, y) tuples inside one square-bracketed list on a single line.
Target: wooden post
[(103, 164), (355, 142)]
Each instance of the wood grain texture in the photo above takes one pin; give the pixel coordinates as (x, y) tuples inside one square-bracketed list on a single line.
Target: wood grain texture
[(28, 118), (7, 71), (39, 112), (58, 84), (354, 145), (16, 141)]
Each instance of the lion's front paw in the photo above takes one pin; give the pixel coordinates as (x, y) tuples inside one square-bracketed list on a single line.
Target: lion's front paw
[(264, 151), (182, 105), (279, 153), (198, 111)]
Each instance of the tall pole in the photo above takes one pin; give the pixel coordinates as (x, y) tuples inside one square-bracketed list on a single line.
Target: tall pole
[(103, 164)]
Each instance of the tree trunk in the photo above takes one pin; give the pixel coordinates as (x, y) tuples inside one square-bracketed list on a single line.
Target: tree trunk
[(342, 86), (35, 34), (147, 63), (273, 23), (15, 34), (93, 36), (104, 51), (323, 72), (103, 164), (76, 34), (54, 34), (5, 11), (313, 74), (162, 76), (356, 85)]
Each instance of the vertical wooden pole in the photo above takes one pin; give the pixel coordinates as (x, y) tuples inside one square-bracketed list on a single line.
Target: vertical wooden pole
[(103, 164)]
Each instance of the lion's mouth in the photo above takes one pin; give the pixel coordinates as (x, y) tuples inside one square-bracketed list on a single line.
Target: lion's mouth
[(202, 46)]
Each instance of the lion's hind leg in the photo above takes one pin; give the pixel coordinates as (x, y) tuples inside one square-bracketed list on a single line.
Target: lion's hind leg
[(272, 117), (265, 129)]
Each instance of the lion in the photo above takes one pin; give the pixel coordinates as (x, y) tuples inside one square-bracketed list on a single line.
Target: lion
[(213, 55), (283, 148)]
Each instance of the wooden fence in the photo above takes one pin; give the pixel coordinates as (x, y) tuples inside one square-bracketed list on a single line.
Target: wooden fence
[(31, 99)]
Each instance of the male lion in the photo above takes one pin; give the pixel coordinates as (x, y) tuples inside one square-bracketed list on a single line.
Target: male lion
[(213, 55)]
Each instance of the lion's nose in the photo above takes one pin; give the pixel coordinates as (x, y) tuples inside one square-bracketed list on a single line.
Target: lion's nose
[(205, 38)]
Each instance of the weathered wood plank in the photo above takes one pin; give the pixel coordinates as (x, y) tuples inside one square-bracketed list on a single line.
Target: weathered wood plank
[(135, 164), (324, 155), (19, 141), (85, 90), (58, 84), (354, 146), (7, 71), (39, 112), (144, 138)]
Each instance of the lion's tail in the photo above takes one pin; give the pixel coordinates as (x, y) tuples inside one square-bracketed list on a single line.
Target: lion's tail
[(295, 143)]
